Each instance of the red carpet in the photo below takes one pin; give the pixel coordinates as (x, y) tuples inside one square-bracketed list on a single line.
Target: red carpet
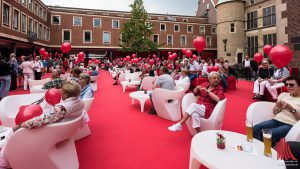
[(124, 138)]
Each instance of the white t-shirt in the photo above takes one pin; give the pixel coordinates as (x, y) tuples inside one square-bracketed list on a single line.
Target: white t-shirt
[(183, 80), (247, 63)]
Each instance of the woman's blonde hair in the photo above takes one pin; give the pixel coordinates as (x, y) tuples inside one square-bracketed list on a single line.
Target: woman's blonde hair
[(71, 89)]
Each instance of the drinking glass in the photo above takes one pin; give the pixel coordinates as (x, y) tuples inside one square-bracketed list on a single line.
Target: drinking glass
[(220, 124), (249, 128), (267, 134)]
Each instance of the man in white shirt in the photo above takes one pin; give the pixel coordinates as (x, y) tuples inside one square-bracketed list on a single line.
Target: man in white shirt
[(247, 68), (194, 69)]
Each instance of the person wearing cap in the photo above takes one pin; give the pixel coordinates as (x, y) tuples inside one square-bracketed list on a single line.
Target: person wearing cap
[(210, 93)]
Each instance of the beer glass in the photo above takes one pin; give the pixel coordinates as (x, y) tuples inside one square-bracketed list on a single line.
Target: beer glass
[(145, 91), (267, 134), (249, 128), (129, 80)]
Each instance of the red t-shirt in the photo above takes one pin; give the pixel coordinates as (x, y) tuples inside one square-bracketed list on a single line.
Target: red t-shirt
[(207, 101)]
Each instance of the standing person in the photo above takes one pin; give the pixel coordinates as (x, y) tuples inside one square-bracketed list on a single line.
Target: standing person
[(277, 81), (247, 68), (38, 66), (254, 68), (27, 69), (5, 78), (14, 72), (210, 93), (20, 72)]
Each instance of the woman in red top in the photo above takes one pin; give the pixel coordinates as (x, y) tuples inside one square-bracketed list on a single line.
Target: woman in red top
[(210, 93)]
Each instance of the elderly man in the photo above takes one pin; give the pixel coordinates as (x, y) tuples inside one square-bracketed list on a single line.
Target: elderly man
[(164, 81), (286, 111), (210, 93), (86, 89), (56, 81)]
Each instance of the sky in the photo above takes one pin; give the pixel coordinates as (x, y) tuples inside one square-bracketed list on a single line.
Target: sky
[(176, 7)]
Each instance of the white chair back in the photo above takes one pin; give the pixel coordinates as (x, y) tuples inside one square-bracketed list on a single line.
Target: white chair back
[(122, 77), (88, 104), (148, 83), (94, 83), (33, 84), (186, 86), (53, 146), (9, 106), (168, 110)]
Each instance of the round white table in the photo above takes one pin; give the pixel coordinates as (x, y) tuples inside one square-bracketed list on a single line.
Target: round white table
[(126, 84), (141, 97), (204, 151)]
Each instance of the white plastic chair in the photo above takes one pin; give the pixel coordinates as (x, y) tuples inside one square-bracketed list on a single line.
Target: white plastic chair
[(48, 147), (164, 109), (122, 77), (94, 83), (148, 83), (263, 111), (186, 86), (85, 130), (35, 86), (213, 122), (9, 106)]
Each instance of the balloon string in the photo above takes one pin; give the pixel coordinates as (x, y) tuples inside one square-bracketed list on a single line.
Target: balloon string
[(38, 101)]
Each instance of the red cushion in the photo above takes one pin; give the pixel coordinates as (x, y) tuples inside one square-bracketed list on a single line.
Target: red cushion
[(231, 83)]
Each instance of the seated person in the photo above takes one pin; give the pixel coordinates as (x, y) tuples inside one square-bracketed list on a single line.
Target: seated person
[(183, 79), (86, 89), (75, 74), (277, 81), (286, 111), (207, 63), (56, 81), (264, 74), (194, 69), (210, 93), (223, 70), (164, 81), (70, 108), (94, 71)]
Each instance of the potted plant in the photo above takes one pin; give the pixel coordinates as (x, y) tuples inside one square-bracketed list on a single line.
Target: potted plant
[(220, 141)]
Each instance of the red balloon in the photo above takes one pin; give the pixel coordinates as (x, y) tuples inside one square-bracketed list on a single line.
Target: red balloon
[(184, 50), (45, 55), (200, 43), (215, 69), (281, 56), (169, 66), (65, 47), (170, 57), (42, 51), (80, 56), (151, 62), (53, 96), (154, 56), (90, 62), (210, 69), (133, 55), (267, 49), (188, 53), (169, 53), (145, 66), (258, 57), (195, 57), (28, 112), (128, 58), (174, 56)]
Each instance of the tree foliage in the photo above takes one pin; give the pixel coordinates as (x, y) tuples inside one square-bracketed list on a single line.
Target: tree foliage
[(136, 33)]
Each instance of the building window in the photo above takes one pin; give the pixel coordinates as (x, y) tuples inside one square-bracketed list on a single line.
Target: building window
[(36, 8), (148, 25), (116, 24), (213, 30), (6, 15), (202, 29), (41, 12), (162, 27), (40, 32), (176, 28), (269, 16), (185, 20), (252, 45), (208, 41), (270, 39), (77, 21), (252, 20), (48, 34), (97, 23), (16, 19), (189, 29), (87, 36), (45, 15), (106, 37), (30, 25), (30, 5), (55, 19), (36, 27), (170, 39), (183, 40), (156, 38), (232, 28), (66, 36), (161, 18), (45, 32), (23, 2), (23, 23)]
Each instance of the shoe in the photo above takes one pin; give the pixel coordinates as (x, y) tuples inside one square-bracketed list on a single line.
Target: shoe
[(153, 112), (175, 127), (255, 97), (115, 84)]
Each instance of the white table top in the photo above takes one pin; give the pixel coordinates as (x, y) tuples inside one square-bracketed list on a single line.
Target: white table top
[(139, 94), (205, 148), (5, 132)]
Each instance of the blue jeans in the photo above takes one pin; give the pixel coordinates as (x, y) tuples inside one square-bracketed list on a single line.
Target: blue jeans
[(279, 130), (224, 82), (192, 76), (4, 85), (254, 73)]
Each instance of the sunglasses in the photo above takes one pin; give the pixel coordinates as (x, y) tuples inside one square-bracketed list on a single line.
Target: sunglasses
[(290, 84)]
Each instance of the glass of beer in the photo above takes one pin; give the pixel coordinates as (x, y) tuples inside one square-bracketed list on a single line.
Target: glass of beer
[(249, 128), (267, 134), (129, 80), (145, 91)]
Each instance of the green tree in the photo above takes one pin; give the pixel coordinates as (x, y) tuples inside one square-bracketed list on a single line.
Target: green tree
[(136, 33)]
